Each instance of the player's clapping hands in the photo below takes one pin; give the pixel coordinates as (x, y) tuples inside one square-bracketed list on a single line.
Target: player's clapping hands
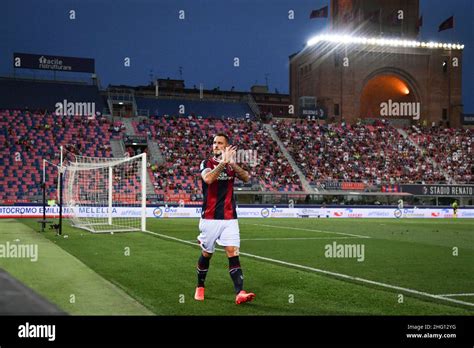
[(229, 154)]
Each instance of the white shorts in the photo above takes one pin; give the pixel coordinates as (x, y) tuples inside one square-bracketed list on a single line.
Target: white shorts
[(222, 232)]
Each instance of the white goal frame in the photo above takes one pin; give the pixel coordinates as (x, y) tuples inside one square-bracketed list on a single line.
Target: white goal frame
[(105, 223)]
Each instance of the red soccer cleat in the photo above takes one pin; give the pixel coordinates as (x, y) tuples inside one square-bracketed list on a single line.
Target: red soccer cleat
[(243, 297), (199, 294)]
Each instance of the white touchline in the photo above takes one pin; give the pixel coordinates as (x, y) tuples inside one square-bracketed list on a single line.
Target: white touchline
[(307, 229), (334, 274), (291, 238), (454, 295), (297, 238)]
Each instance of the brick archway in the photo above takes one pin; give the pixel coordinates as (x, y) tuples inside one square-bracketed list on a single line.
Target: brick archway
[(383, 85)]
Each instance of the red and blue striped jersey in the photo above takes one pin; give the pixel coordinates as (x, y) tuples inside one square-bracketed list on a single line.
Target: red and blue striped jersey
[(218, 202)]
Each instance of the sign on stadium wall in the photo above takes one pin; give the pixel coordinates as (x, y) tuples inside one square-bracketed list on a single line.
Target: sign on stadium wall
[(467, 119), (57, 63), (340, 185), (253, 212), (353, 186), (135, 139), (316, 112), (439, 190), (329, 185)]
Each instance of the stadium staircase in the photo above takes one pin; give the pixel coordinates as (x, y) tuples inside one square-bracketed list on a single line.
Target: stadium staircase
[(118, 148), (306, 186), (252, 104), (130, 130), (155, 154), (127, 122), (433, 162)]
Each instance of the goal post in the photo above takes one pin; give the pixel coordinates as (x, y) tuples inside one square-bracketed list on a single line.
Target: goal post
[(106, 194)]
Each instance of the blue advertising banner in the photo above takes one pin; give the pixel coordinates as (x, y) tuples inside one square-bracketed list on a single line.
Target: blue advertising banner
[(57, 63)]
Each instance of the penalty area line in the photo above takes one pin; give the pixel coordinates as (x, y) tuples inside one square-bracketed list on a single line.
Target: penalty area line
[(334, 274)]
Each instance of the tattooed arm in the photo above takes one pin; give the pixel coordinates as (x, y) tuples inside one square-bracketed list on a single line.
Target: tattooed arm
[(209, 176), (242, 174)]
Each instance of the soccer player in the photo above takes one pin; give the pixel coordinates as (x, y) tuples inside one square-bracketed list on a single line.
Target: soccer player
[(455, 209), (218, 222), (400, 204)]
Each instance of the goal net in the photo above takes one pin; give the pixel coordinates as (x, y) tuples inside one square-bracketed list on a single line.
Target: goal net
[(106, 194)]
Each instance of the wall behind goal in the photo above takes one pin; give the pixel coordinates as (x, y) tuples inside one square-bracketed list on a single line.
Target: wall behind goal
[(161, 212)]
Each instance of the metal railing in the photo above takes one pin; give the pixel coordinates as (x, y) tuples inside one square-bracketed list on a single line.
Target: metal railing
[(253, 105)]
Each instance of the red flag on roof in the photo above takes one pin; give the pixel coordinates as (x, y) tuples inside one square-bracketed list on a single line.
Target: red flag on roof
[(420, 22), (321, 13), (447, 24)]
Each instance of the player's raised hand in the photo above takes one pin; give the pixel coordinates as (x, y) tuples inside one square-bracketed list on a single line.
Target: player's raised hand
[(232, 154), (225, 155), (228, 154)]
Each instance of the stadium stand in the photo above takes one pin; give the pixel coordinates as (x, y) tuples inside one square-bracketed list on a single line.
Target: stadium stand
[(376, 154), (185, 142), (373, 154), (28, 137), (451, 148)]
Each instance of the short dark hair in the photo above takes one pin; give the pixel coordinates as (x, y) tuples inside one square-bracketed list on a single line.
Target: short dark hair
[(223, 135)]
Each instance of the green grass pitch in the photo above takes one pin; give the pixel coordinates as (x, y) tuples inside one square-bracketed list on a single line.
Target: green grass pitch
[(407, 264)]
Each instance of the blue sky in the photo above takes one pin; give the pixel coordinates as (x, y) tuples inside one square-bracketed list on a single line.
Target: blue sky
[(258, 32)]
